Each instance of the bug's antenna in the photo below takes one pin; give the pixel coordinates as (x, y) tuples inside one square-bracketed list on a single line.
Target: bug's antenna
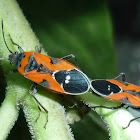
[(4, 38)]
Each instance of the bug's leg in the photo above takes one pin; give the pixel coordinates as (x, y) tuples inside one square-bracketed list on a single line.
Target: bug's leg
[(127, 107), (116, 107), (73, 105), (37, 49), (130, 122), (122, 75), (20, 49), (70, 57), (33, 91)]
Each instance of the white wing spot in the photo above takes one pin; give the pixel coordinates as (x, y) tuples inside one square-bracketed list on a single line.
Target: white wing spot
[(108, 87), (67, 79)]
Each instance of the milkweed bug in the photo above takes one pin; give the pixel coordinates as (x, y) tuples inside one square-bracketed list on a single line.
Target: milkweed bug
[(120, 91), (55, 74)]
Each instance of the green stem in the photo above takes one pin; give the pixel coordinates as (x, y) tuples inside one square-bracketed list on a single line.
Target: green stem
[(8, 116)]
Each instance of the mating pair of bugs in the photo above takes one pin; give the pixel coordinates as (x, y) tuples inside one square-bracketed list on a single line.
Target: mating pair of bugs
[(60, 76)]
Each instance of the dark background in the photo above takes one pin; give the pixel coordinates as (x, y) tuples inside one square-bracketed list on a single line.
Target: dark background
[(126, 25)]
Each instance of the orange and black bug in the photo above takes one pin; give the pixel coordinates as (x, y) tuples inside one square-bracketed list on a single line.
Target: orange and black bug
[(120, 91), (55, 74)]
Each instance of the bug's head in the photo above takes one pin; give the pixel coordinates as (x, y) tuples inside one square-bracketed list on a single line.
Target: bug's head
[(15, 58)]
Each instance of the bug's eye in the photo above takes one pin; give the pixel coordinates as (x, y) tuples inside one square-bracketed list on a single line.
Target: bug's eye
[(13, 58)]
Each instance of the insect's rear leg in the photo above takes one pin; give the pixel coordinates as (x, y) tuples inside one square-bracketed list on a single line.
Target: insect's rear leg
[(68, 57), (122, 75), (116, 107), (33, 91)]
